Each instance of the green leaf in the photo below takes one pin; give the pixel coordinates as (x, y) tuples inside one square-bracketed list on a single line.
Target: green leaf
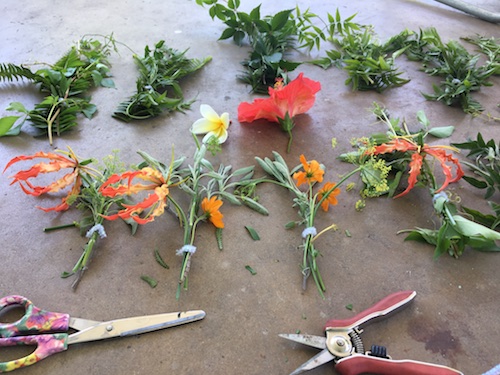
[(227, 33), (254, 205), (7, 126), (442, 131), (280, 19), (108, 82), (251, 270), (18, 107), (160, 260), (472, 229), (253, 233), (152, 282)]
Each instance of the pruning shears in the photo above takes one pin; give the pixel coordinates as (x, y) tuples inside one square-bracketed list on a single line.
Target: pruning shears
[(36, 328), (344, 347)]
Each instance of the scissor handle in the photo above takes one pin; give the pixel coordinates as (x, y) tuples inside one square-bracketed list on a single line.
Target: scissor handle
[(381, 309), (46, 345), (33, 320), (364, 364)]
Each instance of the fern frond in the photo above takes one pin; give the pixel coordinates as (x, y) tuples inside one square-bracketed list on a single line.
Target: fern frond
[(10, 72)]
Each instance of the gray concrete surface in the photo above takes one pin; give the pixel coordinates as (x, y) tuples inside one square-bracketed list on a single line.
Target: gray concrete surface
[(454, 319)]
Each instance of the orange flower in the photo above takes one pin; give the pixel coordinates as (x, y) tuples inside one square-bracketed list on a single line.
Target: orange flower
[(312, 172), (211, 208), (295, 98), (57, 162), (329, 192), (417, 158), (155, 202)]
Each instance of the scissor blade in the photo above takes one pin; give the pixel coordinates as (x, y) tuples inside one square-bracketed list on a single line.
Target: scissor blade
[(319, 359), (318, 342), (135, 326)]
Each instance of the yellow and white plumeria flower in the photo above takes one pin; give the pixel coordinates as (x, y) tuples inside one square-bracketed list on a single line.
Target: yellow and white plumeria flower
[(212, 124)]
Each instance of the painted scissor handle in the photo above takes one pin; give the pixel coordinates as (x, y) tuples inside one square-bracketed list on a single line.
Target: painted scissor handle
[(46, 345), (33, 320), (381, 309), (363, 364)]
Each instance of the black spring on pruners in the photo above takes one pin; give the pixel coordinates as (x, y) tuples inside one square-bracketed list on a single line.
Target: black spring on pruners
[(378, 351)]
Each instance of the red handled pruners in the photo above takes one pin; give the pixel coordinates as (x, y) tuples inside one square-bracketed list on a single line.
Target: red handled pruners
[(344, 347)]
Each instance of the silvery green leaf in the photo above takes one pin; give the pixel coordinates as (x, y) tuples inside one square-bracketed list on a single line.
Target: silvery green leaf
[(442, 131), (471, 229), (244, 170), (254, 205), (230, 198)]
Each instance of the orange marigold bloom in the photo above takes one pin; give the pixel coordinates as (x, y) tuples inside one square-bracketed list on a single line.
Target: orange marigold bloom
[(330, 192), (211, 208), (155, 202), (417, 158), (295, 98), (56, 163), (312, 172)]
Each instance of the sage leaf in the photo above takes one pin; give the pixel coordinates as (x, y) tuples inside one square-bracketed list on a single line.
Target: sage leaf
[(253, 233)]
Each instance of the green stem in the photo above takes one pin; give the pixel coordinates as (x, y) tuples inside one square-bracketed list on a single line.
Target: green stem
[(64, 226)]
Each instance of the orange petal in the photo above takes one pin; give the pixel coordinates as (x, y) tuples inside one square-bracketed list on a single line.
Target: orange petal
[(415, 167)]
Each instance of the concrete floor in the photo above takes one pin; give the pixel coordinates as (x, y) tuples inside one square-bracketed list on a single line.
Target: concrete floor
[(454, 319)]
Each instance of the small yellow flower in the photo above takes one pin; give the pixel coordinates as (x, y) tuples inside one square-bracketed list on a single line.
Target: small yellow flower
[(211, 124)]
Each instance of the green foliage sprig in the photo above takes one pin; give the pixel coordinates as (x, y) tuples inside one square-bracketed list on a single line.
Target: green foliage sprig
[(65, 84), (158, 84), (369, 64), (460, 70), (486, 166), (270, 38)]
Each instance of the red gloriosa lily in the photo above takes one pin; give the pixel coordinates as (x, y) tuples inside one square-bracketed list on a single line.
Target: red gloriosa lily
[(155, 202), (56, 163), (417, 158)]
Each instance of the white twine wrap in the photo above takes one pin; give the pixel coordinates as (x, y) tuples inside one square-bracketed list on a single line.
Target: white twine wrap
[(186, 249), (96, 228), (309, 231), (441, 194)]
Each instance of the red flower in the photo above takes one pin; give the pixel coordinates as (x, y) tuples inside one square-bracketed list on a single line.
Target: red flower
[(295, 98), (417, 158), (57, 162), (156, 202)]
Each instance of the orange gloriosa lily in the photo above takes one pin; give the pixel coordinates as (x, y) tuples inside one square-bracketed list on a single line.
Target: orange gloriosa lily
[(330, 192), (211, 208), (417, 158), (295, 98), (312, 172), (155, 202), (56, 163)]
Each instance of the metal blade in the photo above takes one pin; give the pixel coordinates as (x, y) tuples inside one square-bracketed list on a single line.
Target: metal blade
[(318, 342), (135, 326), (321, 358)]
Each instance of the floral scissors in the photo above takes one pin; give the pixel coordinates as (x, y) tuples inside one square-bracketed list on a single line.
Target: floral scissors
[(344, 347), (25, 331)]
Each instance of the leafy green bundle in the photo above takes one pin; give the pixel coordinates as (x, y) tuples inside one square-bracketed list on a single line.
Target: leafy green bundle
[(66, 84), (158, 88)]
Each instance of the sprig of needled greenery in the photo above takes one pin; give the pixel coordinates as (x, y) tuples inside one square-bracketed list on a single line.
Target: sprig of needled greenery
[(270, 39), (451, 61), (370, 65), (158, 84), (65, 84)]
